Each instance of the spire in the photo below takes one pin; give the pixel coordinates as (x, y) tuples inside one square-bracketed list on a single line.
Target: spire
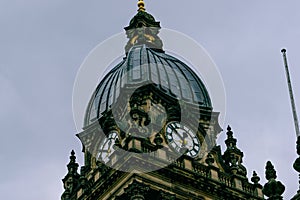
[(233, 156), (72, 166), (141, 6), (272, 189), (231, 141), (70, 181)]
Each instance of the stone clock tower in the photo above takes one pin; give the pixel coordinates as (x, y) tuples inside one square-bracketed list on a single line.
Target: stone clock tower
[(150, 132)]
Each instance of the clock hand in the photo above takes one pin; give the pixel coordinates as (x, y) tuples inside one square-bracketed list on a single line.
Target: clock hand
[(184, 135), (184, 141), (180, 141)]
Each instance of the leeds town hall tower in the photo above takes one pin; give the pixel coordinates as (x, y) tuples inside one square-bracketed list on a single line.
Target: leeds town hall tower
[(150, 133)]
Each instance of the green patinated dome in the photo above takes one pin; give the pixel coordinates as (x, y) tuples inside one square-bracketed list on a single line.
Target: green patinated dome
[(144, 66), (147, 64)]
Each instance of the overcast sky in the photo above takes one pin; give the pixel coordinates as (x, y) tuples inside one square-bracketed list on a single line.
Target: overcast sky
[(43, 44)]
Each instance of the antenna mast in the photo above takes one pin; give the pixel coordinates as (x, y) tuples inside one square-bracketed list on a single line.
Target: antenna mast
[(283, 51)]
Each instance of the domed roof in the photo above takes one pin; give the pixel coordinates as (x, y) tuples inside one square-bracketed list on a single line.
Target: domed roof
[(144, 65)]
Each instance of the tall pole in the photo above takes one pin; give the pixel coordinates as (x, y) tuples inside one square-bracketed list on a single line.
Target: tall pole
[(291, 93), (296, 164)]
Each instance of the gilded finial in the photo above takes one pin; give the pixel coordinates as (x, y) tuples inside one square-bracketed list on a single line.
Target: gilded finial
[(141, 6)]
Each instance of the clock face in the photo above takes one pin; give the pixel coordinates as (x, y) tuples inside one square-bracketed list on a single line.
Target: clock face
[(181, 139), (106, 147)]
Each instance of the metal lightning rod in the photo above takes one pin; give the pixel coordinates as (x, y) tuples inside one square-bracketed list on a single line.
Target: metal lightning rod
[(283, 51)]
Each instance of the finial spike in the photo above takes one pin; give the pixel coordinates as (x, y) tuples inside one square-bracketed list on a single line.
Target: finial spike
[(72, 157), (255, 178), (270, 171), (141, 5), (229, 132), (228, 128)]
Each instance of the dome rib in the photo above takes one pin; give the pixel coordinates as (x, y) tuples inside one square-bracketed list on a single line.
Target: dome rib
[(165, 70), (177, 78)]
